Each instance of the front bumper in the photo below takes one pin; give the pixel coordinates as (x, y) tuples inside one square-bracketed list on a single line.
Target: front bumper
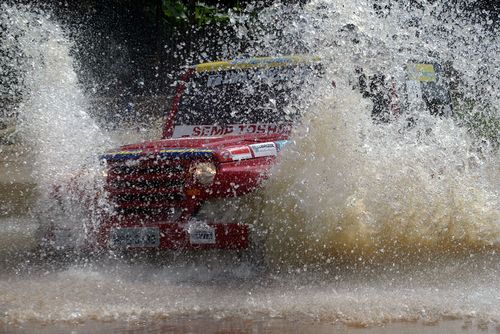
[(217, 224), (194, 235)]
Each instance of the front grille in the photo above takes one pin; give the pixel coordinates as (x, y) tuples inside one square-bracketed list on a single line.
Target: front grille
[(147, 187), (146, 199), (142, 184), (123, 169), (154, 214)]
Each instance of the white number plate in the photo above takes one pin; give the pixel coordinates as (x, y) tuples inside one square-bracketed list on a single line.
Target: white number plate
[(63, 238), (135, 237), (202, 236)]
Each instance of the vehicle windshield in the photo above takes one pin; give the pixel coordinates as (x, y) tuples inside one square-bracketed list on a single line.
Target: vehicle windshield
[(219, 100)]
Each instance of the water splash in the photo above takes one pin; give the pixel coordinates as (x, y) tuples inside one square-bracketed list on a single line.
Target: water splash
[(58, 137), (53, 115), (349, 189)]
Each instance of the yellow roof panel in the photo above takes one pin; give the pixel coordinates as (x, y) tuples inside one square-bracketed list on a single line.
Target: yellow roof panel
[(254, 62)]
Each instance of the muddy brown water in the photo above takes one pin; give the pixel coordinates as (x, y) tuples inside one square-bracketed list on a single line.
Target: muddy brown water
[(250, 326), (216, 294)]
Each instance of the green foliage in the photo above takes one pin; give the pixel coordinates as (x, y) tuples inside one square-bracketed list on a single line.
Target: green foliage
[(174, 10), (205, 14), (179, 13)]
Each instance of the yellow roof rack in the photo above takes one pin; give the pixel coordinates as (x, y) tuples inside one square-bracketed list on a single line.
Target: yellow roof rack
[(254, 62)]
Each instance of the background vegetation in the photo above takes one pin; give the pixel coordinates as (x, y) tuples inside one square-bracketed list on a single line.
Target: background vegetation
[(132, 51)]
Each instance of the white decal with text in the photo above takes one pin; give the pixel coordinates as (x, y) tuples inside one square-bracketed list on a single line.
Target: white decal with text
[(264, 149), (230, 129)]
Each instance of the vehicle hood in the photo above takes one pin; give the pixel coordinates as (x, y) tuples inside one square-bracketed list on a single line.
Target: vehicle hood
[(219, 147)]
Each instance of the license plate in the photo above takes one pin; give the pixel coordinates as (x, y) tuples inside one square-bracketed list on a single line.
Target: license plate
[(202, 236), (63, 238), (135, 237)]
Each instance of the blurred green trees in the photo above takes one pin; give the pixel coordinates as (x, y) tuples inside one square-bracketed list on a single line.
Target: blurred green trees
[(196, 13)]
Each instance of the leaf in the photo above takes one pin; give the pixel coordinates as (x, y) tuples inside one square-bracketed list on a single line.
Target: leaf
[(174, 9)]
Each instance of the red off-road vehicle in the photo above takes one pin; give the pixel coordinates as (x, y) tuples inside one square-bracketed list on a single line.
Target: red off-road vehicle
[(226, 125)]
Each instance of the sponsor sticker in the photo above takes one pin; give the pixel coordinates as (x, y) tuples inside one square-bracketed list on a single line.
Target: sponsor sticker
[(230, 129), (202, 236), (200, 233), (240, 153), (122, 155), (264, 149)]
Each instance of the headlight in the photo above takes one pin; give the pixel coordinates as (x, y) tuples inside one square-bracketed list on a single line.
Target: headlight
[(203, 172)]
